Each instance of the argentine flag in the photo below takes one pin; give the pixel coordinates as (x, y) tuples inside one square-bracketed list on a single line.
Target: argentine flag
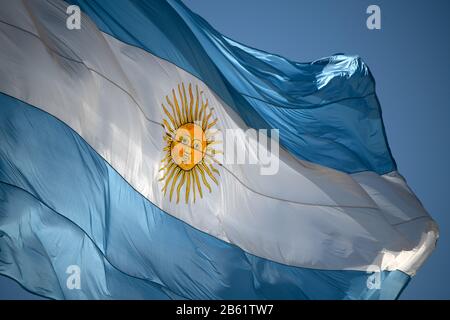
[(115, 184)]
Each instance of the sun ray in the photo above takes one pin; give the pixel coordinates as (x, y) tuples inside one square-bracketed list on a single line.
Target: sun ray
[(214, 142), (191, 173), (208, 172), (167, 166), (212, 124), (168, 127), (197, 181), (169, 172), (212, 152), (177, 121), (212, 132), (172, 120), (177, 107), (167, 138), (191, 101), (196, 102), (166, 157), (202, 111), (205, 120), (174, 182), (202, 174), (169, 177), (210, 136), (188, 185), (182, 108), (180, 185), (214, 169), (186, 107), (212, 158)]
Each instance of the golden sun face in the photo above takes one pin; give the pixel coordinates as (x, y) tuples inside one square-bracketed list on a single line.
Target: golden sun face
[(189, 160), (188, 148)]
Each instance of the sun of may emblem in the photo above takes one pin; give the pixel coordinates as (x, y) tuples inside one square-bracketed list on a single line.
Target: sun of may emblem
[(189, 136)]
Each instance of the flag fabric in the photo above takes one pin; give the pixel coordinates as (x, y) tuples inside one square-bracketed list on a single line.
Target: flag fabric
[(110, 166)]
